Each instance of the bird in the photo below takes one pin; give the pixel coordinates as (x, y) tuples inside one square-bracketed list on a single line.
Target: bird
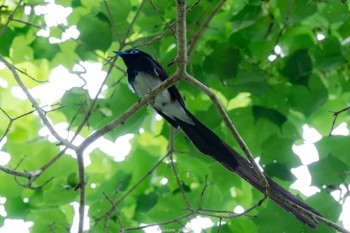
[(145, 73)]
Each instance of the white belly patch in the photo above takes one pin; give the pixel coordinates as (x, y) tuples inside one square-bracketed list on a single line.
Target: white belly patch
[(163, 102)]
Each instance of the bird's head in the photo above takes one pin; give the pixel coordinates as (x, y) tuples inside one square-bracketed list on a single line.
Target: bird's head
[(130, 55)]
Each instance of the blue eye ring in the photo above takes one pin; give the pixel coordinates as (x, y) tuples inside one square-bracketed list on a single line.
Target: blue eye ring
[(134, 51)]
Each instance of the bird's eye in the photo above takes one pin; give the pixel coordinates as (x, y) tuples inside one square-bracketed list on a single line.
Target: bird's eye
[(134, 51)]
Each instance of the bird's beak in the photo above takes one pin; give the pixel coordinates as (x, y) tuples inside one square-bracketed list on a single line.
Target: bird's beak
[(120, 53)]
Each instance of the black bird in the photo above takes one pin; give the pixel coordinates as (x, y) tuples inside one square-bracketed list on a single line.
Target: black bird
[(145, 73)]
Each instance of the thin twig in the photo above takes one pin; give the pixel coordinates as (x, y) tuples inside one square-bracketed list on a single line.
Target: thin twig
[(203, 191), (114, 27), (82, 187), (29, 76), (154, 6), (32, 175), (111, 201), (132, 22), (335, 115), (29, 184), (93, 103), (27, 23), (11, 120), (285, 22), (36, 105), (169, 29), (159, 223), (219, 227), (135, 186), (178, 181), (204, 26), (10, 18), (53, 160)]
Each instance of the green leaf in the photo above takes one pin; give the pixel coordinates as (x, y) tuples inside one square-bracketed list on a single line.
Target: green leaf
[(299, 11), (95, 32), (279, 170), (250, 80), (336, 146), (209, 120), (6, 41), (72, 179), (63, 2), (334, 177), (222, 62), (246, 17), (327, 206), (276, 149), (75, 104), (56, 32), (334, 11), (273, 218), (154, 145), (21, 50), (297, 67), (58, 194), (271, 114), (328, 54), (343, 29), (16, 207), (242, 224), (47, 219), (122, 99), (67, 57), (297, 38), (308, 99), (145, 202), (119, 10), (108, 183), (263, 128)]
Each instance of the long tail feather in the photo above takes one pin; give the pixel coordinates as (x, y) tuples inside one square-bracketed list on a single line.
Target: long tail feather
[(210, 144)]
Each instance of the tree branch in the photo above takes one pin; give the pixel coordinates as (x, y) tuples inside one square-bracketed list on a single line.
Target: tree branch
[(15, 172), (181, 57), (128, 113)]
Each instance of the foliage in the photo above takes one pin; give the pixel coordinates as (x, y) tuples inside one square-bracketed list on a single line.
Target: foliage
[(268, 100)]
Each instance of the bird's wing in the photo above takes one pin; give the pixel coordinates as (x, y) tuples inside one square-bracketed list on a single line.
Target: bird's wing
[(163, 75)]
